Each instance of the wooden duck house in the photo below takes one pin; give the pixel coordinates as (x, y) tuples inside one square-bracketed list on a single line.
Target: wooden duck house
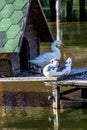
[(23, 26)]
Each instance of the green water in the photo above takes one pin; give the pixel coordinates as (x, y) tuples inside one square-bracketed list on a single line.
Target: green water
[(24, 106), (74, 37), (40, 118)]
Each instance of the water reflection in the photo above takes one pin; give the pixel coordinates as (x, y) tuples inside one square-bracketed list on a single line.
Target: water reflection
[(21, 110), (38, 118)]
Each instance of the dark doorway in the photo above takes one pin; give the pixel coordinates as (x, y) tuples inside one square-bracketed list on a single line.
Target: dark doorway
[(24, 55)]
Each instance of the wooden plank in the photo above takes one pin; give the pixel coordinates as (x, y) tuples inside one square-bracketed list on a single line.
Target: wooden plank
[(81, 83), (27, 79), (73, 83), (50, 80), (69, 91)]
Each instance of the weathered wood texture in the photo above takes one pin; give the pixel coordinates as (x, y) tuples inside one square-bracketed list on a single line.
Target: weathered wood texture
[(38, 18), (26, 79), (33, 38), (5, 65), (15, 63), (50, 81), (81, 83)]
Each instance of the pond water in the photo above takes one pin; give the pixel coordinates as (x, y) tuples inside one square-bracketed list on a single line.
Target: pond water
[(74, 37), (24, 106), (38, 118)]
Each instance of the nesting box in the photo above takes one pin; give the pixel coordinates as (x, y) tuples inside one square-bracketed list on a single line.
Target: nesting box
[(23, 26)]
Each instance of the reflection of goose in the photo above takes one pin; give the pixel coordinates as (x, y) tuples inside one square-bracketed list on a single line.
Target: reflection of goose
[(58, 71), (45, 58)]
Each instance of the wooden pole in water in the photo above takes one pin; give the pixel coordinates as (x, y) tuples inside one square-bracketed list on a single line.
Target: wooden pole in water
[(56, 97), (58, 18)]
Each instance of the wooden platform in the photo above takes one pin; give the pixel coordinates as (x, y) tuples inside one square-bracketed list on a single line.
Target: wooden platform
[(80, 83), (67, 82), (56, 83), (59, 81), (27, 79)]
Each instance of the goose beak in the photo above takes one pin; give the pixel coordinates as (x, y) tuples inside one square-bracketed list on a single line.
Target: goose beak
[(62, 44)]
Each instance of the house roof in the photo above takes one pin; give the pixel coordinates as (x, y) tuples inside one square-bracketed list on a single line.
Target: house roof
[(13, 17), (36, 15)]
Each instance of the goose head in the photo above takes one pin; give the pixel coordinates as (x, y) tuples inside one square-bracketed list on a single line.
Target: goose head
[(57, 43), (55, 62)]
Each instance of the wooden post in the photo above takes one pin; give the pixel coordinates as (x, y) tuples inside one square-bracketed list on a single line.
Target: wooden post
[(58, 18), (56, 97), (58, 10), (15, 63), (55, 119)]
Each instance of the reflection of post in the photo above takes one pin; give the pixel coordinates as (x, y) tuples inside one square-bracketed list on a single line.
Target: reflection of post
[(56, 121), (56, 96), (58, 17)]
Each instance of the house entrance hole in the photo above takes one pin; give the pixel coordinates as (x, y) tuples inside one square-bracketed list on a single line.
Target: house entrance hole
[(24, 55)]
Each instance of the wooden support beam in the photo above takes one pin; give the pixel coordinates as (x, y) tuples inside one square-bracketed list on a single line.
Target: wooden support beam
[(69, 91), (74, 99)]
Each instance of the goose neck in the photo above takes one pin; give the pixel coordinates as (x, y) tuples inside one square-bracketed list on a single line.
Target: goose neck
[(55, 49)]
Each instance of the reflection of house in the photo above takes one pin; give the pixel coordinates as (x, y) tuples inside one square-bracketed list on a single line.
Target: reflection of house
[(22, 27)]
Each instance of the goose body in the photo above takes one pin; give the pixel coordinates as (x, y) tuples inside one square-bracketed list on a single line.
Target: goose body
[(44, 59), (52, 66), (58, 71)]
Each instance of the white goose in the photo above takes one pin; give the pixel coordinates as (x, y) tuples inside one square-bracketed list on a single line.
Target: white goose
[(58, 71), (53, 65), (44, 59)]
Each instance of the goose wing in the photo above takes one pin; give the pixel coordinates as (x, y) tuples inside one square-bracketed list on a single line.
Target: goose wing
[(44, 59)]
